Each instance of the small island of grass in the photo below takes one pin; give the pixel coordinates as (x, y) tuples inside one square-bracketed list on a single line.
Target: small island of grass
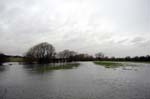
[(108, 64)]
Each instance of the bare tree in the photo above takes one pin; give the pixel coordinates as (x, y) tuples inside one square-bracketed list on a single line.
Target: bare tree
[(42, 53), (99, 55), (2, 58), (83, 57), (66, 55), (72, 56)]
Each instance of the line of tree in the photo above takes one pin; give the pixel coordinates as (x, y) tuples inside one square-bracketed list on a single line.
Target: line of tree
[(46, 53), (128, 58), (100, 57)]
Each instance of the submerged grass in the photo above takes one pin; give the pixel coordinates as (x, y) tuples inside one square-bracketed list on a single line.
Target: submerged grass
[(108, 64), (57, 67)]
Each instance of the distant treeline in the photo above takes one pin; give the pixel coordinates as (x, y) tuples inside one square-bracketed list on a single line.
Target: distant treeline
[(128, 58), (45, 53)]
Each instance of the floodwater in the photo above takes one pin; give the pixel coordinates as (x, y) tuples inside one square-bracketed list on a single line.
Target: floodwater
[(87, 81)]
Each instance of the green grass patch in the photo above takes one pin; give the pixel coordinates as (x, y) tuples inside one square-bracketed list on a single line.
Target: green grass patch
[(14, 59), (46, 68), (108, 64)]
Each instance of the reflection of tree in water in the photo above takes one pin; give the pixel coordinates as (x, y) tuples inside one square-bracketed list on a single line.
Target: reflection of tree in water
[(42, 68), (2, 68)]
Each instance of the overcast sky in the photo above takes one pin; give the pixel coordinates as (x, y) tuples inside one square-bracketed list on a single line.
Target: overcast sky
[(114, 27)]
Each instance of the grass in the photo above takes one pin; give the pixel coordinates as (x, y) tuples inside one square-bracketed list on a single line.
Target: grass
[(108, 64), (56, 67), (14, 59)]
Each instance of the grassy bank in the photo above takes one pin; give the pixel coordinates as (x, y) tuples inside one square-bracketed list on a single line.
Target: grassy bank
[(15, 59), (108, 64)]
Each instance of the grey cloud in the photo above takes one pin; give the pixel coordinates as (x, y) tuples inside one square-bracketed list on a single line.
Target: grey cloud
[(110, 26), (123, 41), (138, 40)]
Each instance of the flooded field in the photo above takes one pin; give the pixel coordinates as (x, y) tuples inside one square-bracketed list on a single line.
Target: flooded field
[(86, 81)]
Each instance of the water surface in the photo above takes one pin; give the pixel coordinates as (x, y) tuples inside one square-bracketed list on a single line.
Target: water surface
[(87, 81)]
